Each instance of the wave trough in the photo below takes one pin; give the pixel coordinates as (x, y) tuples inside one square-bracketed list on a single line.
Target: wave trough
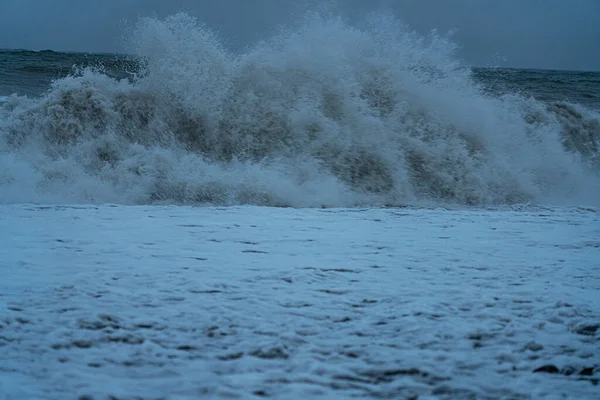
[(327, 114)]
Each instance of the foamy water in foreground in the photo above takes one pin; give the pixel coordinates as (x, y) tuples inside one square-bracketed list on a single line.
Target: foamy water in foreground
[(182, 303)]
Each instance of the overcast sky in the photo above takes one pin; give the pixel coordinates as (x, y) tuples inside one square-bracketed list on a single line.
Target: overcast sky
[(560, 34)]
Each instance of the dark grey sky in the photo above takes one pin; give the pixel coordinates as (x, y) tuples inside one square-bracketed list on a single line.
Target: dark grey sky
[(561, 34)]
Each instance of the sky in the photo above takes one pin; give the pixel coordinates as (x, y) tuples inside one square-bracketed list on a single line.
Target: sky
[(549, 34)]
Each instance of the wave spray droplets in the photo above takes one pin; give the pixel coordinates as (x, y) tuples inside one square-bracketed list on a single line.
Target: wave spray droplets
[(324, 115)]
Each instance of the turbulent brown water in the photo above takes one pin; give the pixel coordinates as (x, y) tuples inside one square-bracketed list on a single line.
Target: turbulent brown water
[(324, 115)]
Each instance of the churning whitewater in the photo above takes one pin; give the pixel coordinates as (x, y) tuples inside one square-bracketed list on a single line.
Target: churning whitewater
[(325, 114)]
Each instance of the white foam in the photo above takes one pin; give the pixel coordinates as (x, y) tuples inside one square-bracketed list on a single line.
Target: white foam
[(298, 304)]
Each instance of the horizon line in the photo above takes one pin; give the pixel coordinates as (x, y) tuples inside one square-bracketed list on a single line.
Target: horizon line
[(117, 53)]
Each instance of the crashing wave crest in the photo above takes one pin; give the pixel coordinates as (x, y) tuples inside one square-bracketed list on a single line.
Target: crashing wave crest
[(325, 115)]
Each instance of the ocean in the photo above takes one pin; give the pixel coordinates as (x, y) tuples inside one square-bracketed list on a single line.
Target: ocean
[(337, 212), (324, 115), (183, 302)]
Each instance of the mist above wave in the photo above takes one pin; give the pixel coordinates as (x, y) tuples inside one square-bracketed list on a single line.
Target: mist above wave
[(326, 114)]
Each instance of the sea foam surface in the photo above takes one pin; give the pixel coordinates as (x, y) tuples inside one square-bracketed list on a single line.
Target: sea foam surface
[(187, 302)]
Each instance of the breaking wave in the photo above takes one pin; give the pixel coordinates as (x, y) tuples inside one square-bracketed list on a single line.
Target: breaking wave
[(327, 114)]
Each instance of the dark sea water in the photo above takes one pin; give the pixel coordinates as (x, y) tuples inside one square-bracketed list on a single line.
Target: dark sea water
[(31, 73), (327, 115)]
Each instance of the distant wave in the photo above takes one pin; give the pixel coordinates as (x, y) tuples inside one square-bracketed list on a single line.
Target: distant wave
[(546, 85), (49, 64), (324, 115)]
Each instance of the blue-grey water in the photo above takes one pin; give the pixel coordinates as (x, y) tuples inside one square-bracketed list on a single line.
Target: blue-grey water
[(31, 72)]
